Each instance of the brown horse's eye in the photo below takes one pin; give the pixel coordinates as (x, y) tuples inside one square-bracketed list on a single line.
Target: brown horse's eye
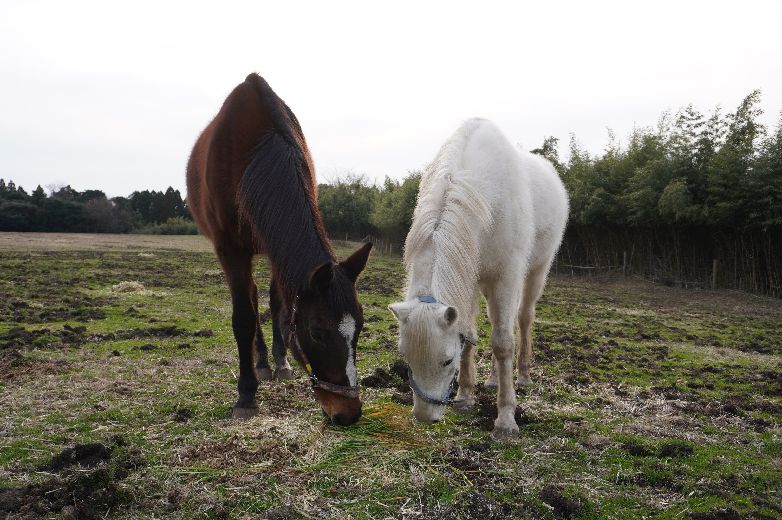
[(319, 335)]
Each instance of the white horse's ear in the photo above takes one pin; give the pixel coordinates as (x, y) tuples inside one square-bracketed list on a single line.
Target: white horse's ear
[(401, 310), (449, 316)]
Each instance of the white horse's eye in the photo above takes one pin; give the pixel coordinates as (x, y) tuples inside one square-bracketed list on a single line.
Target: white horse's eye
[(448, 362)]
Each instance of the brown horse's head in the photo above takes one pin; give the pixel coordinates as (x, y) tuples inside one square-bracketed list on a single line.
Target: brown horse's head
[(328, 322)]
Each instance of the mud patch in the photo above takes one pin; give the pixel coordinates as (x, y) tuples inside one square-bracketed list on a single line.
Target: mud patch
[(284, 513), (182, 415), (717, 514), (378, 379), (404, 398), (486, 411), (563, 506), (87, 455), (676, 449), (75, 492), (69, 308), (396, 378)]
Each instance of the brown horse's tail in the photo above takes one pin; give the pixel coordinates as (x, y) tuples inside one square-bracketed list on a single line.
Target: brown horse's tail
[(277, 195)]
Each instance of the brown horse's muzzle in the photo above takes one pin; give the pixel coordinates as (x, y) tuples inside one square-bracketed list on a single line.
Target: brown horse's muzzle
[(343, 411)]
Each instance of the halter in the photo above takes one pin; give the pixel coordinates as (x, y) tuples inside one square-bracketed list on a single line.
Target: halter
[(350, 392), (446, 399)]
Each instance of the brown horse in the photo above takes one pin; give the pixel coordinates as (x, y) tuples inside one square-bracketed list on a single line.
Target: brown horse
[(251, 189)]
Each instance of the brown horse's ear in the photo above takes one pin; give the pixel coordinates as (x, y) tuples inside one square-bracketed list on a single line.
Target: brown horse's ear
[(354, 264), (321, 277)]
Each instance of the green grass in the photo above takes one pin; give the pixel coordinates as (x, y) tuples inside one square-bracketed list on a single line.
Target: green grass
[(649, 402)]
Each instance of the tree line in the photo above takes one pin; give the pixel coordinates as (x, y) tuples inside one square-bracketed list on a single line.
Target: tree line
[(694, 201), (65, 209), (674, 201)]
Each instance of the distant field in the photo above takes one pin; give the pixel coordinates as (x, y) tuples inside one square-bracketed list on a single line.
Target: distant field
[(649, 402)]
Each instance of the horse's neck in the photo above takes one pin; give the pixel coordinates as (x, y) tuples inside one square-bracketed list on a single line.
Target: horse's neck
[(421, 273), (293, 263), (423, 281)]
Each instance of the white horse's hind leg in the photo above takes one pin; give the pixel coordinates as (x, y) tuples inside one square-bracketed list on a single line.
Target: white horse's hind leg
[(491, 381), (533, 288), (504, 303)]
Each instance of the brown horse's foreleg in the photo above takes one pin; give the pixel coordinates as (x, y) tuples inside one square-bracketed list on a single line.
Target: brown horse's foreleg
[(237, 265), (283, 369)]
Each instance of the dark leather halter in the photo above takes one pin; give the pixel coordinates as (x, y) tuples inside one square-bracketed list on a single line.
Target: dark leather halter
[(350, 392), (446, 399)]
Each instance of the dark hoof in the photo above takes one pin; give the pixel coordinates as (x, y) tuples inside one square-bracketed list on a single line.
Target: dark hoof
[(283, 374), (244, 413), (264, 374)]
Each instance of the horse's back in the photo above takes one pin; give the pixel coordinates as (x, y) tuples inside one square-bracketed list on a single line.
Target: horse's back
[(550, 201), (219, 158), (522, 187)]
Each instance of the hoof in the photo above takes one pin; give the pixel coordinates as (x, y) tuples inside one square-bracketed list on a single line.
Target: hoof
[(463, 406), (522, 382), (283, 374), (504, 434), (490, 383), (244, 413), (264, 374)]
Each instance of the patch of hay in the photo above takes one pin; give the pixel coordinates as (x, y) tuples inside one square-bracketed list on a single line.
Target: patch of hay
[(127, 286)]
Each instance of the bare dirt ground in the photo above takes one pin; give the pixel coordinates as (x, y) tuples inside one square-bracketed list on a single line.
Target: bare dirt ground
[(99, 242)]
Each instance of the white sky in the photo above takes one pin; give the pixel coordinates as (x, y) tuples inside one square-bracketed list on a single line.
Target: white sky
[(112, 96)]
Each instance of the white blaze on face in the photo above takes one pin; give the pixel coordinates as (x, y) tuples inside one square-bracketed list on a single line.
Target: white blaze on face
[(347, 327)]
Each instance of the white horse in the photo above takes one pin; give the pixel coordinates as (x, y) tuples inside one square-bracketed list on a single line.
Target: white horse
[(489, 220)]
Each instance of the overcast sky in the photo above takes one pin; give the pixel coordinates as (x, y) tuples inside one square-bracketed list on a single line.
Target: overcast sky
[(111, 95)]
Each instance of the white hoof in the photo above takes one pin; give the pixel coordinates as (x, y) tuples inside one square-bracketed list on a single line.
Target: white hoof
[(283, 374), (523, 381), (503, 433)]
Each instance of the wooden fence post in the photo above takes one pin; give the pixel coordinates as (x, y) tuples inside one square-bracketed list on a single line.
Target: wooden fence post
[(714, 274), (624, 264)]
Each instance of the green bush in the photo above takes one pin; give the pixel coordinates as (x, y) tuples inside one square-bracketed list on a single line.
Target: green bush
[(172, 226)]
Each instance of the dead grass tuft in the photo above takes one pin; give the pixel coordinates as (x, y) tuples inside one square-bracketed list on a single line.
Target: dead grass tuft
[(127, 287)]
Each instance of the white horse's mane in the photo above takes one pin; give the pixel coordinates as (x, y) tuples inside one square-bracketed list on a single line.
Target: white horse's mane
[(451, 215)]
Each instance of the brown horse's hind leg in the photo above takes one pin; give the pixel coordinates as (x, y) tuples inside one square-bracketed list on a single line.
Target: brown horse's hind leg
[(262, 370), (283, 369), (237, 265)]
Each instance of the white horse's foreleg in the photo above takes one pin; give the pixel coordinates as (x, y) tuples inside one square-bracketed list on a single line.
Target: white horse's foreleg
[(465, 397), (533, 288), (502, 348), (504, 305)]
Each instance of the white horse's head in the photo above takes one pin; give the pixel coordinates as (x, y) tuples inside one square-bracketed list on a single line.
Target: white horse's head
[(431, 344)]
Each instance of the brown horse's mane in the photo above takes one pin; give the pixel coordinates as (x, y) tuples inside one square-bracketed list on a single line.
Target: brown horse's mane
[(283, 214)]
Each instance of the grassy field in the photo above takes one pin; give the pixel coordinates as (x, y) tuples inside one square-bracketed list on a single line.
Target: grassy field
[(649, 402)]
